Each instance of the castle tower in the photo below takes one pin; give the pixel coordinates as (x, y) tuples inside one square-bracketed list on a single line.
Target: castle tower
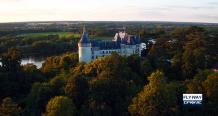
[(85, 52)]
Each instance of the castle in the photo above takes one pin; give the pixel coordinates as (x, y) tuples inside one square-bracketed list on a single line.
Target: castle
[(122, 43)]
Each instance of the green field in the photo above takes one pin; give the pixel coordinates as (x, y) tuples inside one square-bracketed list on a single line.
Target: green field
[(60, 34)]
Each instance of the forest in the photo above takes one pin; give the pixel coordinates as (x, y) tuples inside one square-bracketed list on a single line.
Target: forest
[(182, 60)]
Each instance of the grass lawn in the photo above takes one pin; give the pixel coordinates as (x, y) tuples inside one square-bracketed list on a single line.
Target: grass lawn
[(60, 34)]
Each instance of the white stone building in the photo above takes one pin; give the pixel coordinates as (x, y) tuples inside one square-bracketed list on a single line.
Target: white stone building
[(122, 44)]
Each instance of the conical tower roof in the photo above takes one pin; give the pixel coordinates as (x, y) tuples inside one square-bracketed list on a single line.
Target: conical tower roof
[(84, 38)]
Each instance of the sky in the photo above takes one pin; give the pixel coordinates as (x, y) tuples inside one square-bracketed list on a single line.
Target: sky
[(109, 10)]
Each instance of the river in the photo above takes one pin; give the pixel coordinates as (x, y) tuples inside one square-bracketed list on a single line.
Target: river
[(36, 61)]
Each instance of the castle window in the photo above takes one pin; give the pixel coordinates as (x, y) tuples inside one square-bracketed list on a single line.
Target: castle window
[(103, 52), (92, 57)]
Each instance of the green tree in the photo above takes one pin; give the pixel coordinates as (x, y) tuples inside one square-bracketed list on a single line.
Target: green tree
[(56, 64), (9, 108), (11, 60), (179, 35), (30, 75), (109, 95), (133, 61), (157, 98), (195, 85), (159, 54), (78, 69), (38, 97), (194, 52), (12, 79), (112, 64), (95, 108), (113, 87), (146, 67), (176, 64), (77, 89), (58, 83), (158, 31), (60, 106), (210, 86)]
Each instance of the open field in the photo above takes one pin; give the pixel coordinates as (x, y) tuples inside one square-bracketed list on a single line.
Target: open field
[(60, 34)]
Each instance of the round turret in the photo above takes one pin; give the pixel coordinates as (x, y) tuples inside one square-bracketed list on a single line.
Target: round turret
[(84, 45)]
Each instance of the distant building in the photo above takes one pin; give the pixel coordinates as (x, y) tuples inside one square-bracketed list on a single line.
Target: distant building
[(122, 43)]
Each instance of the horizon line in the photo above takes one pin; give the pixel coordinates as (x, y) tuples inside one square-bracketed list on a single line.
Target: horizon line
[(108, 21)]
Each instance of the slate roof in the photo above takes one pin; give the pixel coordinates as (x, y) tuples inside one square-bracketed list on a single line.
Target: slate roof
[(127, 40), (85, 37), (105, 44), (114, 44), (131, 40)]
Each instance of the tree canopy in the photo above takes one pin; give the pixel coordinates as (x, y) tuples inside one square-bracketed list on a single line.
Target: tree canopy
[(60, 106)]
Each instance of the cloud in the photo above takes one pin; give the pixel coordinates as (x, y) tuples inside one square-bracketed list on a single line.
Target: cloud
[(192, 7), (8, 1), (213, 3), (108, 10)]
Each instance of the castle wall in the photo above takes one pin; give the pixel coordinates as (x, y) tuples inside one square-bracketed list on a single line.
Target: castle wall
[(85, 53), (101, 53), (91, 50), (128, 50)]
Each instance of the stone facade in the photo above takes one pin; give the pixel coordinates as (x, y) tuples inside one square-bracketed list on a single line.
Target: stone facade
[(122, 43)]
